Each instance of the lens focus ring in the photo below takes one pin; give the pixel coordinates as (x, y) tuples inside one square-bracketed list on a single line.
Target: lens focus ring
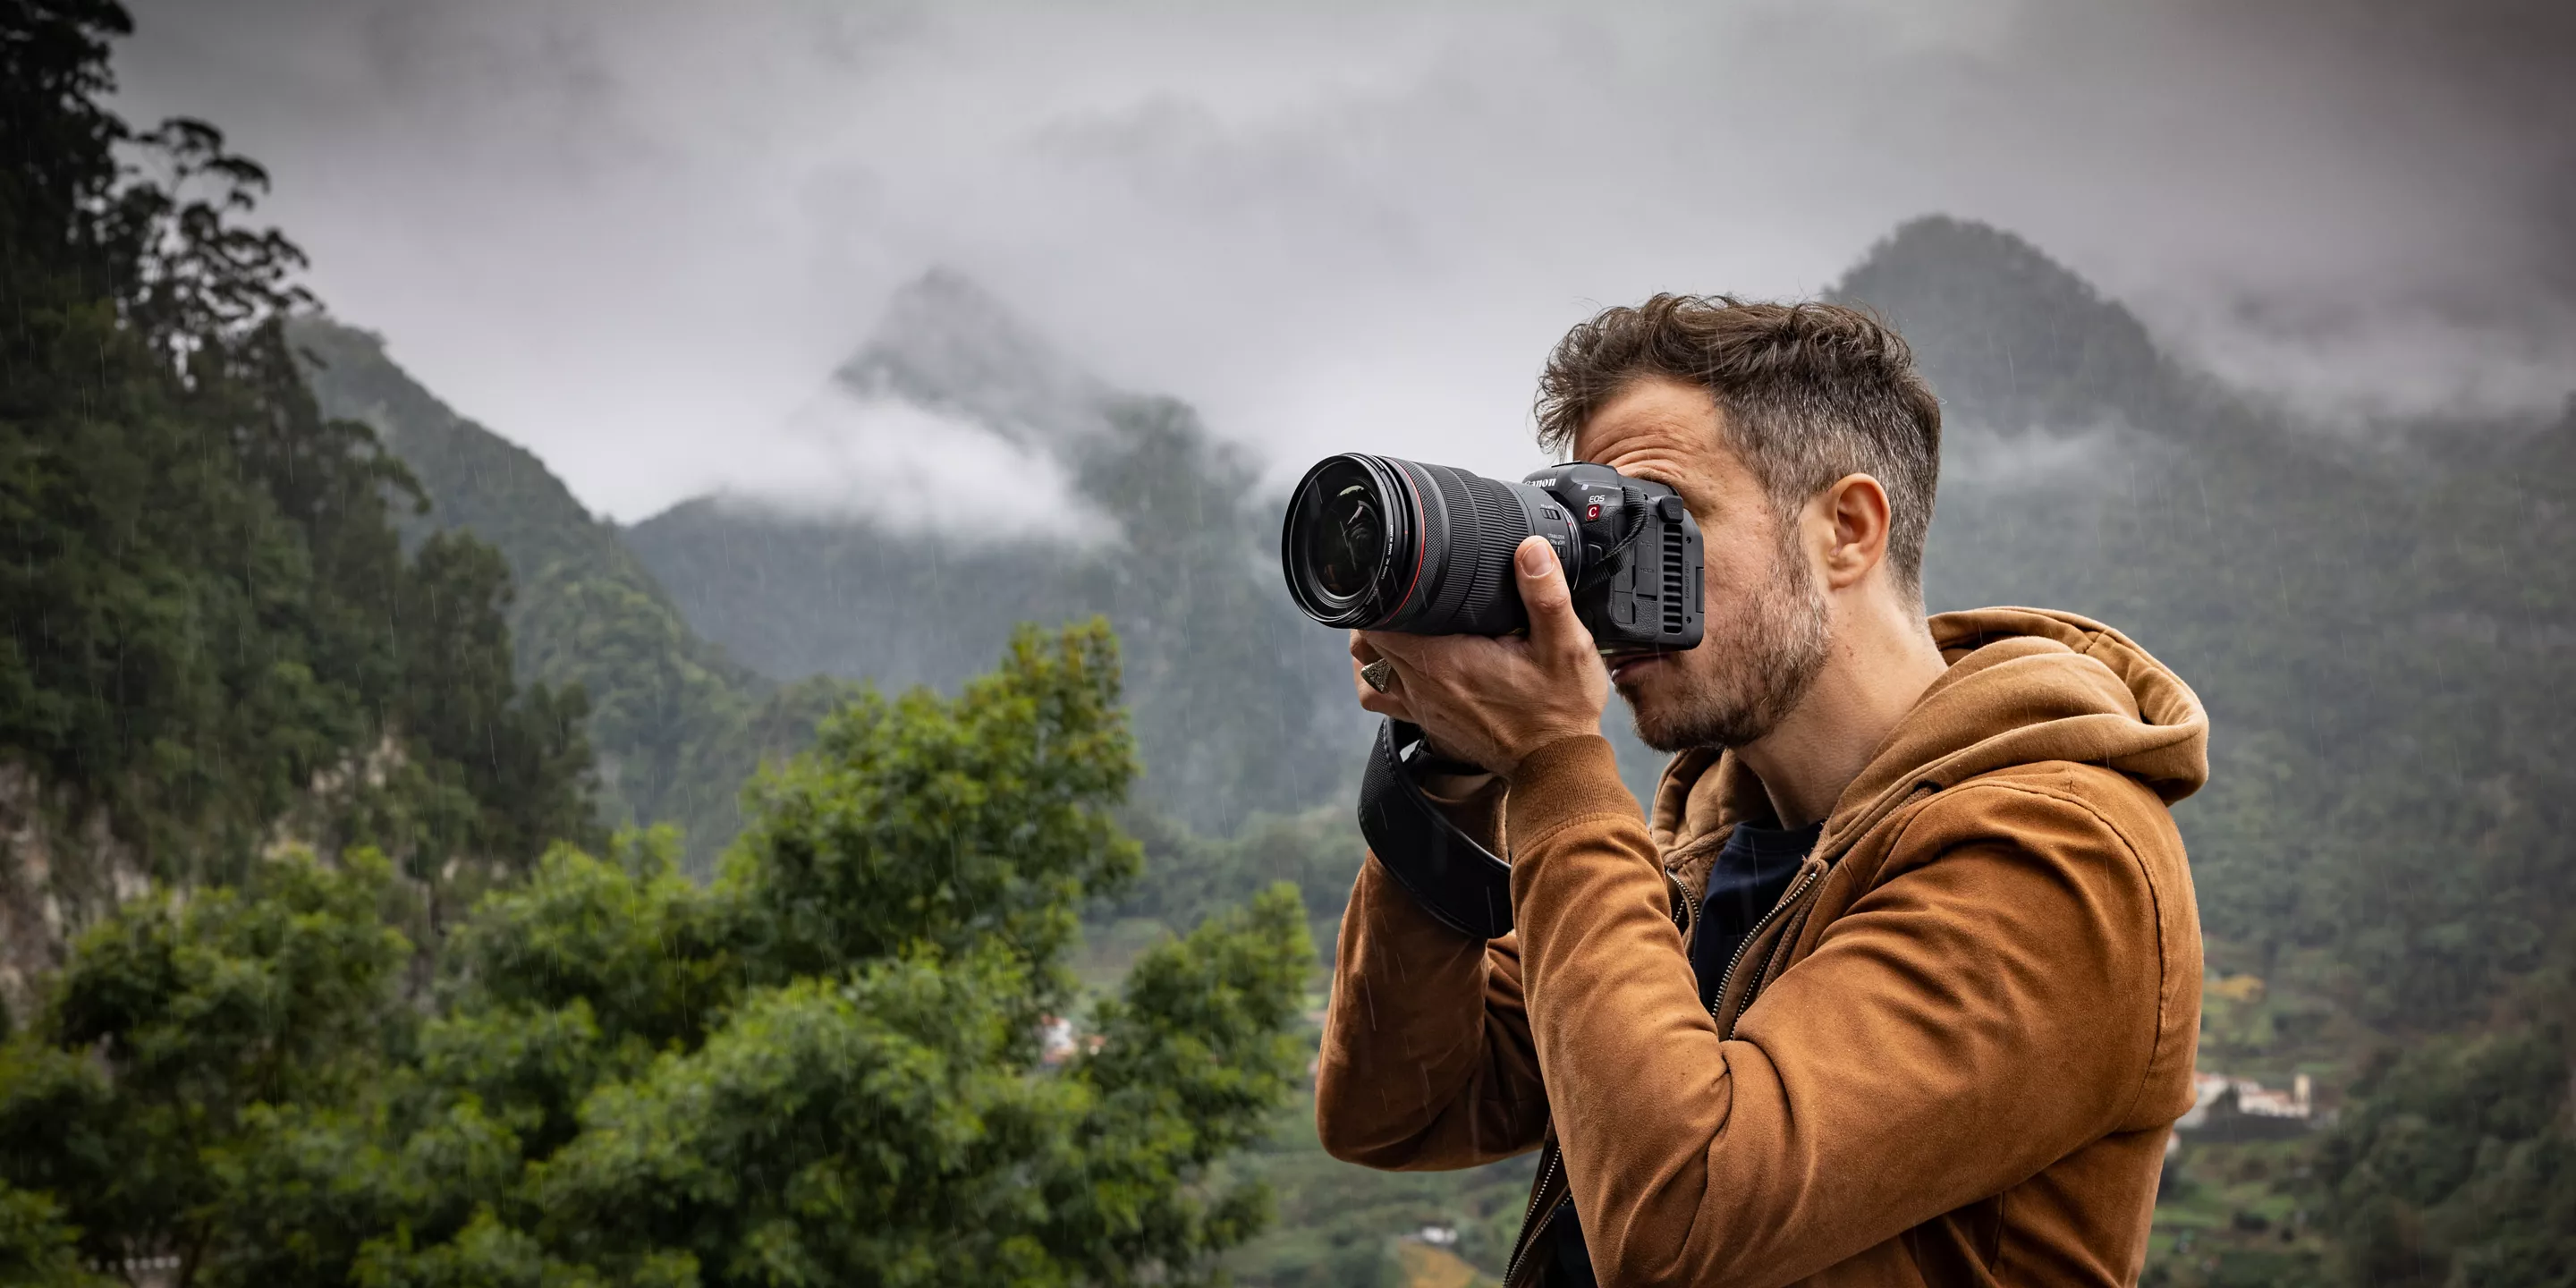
[(1481, 524)]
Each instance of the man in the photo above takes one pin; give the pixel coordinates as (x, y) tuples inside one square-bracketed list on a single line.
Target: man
[(1900, 984)]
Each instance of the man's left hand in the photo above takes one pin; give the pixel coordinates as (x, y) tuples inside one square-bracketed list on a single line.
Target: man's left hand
[(1496, 700)]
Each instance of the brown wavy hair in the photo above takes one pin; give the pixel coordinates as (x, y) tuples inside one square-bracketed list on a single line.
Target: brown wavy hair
[(1807, 393)]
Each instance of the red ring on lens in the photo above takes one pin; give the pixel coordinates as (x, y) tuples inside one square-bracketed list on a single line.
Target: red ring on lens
[(1420, 542)]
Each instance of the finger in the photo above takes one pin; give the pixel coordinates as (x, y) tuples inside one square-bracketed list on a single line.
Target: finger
[(1388, 701), (1554, 629), (1362, 652), (1395, 646)]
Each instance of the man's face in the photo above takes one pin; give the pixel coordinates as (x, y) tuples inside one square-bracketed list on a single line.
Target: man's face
[(1767, 635)]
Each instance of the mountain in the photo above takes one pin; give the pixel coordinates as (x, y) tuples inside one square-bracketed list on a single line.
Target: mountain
[(946, 343), (676, 724), (2011, 337), (2386, 829), (1094, 501)]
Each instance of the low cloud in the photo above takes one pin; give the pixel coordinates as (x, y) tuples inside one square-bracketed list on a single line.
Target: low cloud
[(908, 469), (636, 235)]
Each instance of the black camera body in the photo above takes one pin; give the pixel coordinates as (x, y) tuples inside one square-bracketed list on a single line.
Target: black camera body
[(1380, 543)]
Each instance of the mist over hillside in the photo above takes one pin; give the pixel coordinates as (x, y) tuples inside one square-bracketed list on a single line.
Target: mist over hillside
[(2356, 202), (1037, 493)]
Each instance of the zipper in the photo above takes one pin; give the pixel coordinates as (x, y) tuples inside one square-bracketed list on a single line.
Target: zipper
[(1529, 1231), (1717, 1001)]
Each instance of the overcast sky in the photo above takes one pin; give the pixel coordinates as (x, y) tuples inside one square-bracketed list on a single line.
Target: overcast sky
[(635, 236)]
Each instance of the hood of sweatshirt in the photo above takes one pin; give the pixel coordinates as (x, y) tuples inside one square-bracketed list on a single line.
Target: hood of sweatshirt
[(2025, 686)]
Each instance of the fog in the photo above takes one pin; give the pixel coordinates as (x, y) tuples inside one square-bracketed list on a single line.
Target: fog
[(639, 237)]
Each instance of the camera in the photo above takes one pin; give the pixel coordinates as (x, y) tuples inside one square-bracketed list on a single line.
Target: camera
[(1379, 543)]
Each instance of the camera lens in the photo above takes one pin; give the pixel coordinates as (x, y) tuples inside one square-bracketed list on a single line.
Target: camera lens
[(1379, 543)]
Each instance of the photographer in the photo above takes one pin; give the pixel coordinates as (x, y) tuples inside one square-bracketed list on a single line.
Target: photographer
[(1899, 984)]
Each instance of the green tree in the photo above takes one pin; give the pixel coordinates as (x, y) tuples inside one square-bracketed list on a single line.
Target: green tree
[(180, 1033), (824, 1067), (2459, 1166), (36, 1249)]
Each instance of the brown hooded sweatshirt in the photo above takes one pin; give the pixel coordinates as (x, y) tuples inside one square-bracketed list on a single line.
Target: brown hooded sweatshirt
[(1949, 1055)]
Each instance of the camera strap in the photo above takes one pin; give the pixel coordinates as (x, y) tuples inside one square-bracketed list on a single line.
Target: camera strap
[(1459, 882)]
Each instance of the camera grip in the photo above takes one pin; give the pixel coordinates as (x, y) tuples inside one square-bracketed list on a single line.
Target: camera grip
[(1459, 882)]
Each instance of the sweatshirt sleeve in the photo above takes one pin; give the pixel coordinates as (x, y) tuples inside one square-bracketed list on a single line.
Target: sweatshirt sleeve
[(1990, 1005), (1426, 1061)]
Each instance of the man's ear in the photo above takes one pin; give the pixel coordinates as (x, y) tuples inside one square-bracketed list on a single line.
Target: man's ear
[(1857, 508)]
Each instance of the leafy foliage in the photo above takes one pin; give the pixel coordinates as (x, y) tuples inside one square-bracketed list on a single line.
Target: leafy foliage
[(822, 1068), (2460, 1166), (36, 1248), (204, 1018), (1001, 789)]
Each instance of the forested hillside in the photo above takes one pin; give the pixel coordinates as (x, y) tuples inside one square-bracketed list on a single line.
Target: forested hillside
[(1228, 682), (676, 724), (214, 644)]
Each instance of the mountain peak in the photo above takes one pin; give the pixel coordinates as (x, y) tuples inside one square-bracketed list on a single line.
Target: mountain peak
[(2009, 337), (947, 344)]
